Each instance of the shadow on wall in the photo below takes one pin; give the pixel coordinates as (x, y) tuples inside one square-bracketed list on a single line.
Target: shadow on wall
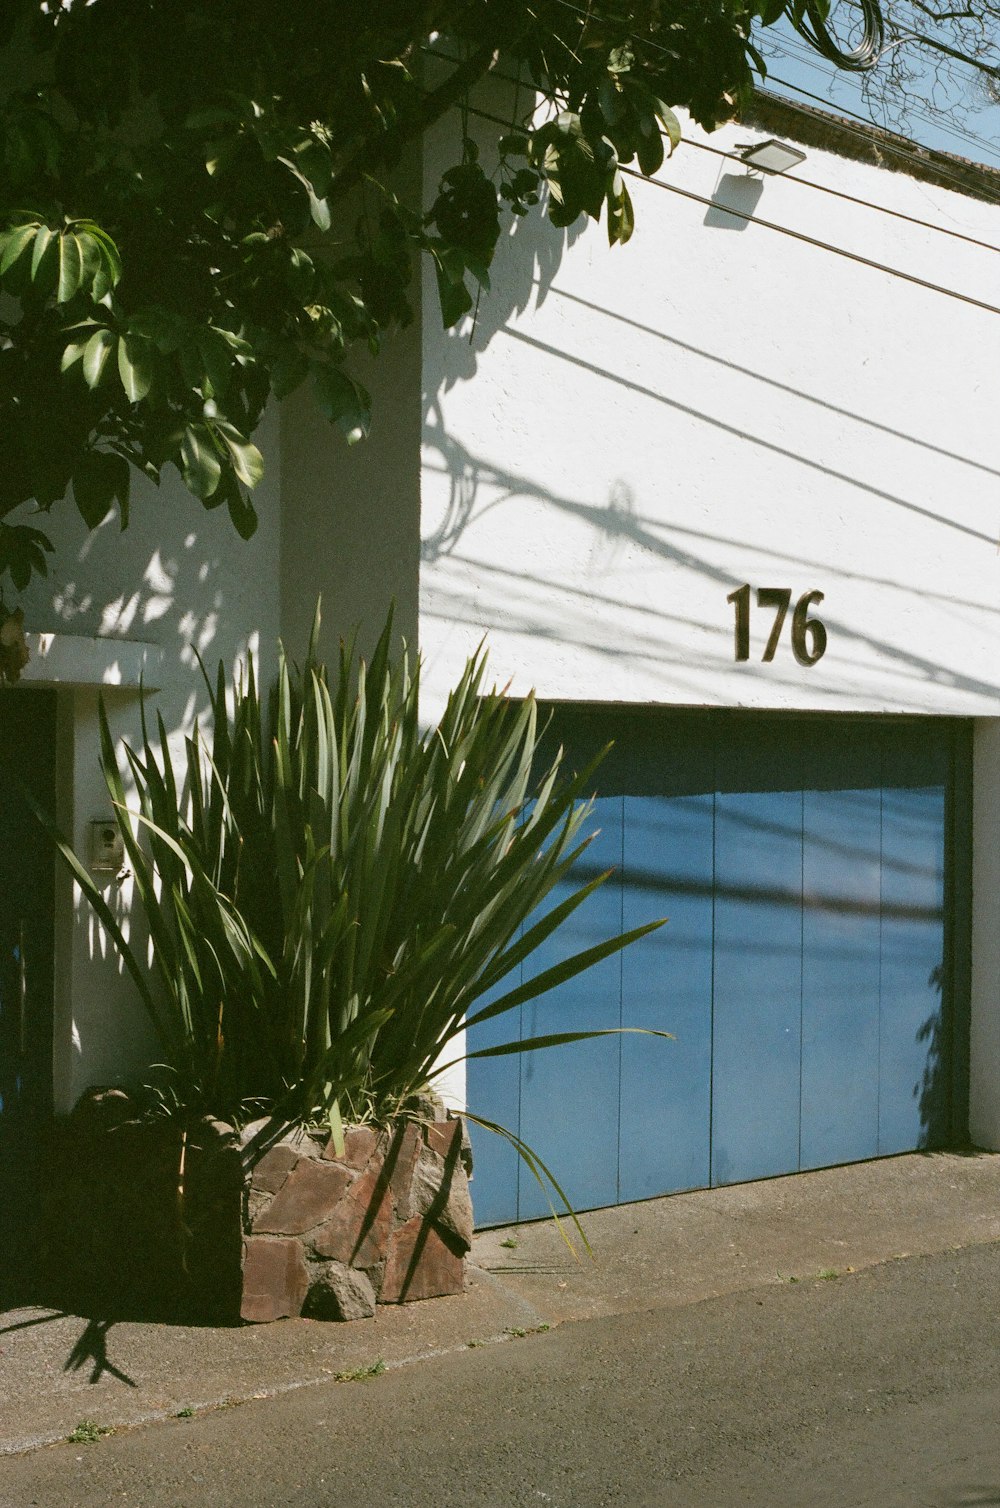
[(478, 487), (522, 276), (178, 577), (734, 191), (934, 1090), (474, 485)]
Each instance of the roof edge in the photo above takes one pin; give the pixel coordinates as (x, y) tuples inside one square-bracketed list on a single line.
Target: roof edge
[(870, 143)]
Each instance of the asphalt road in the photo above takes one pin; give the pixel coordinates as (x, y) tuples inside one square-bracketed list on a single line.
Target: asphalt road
[(876, 1388)]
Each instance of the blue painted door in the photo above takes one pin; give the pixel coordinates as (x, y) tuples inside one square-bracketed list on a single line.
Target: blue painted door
[(804, 971)]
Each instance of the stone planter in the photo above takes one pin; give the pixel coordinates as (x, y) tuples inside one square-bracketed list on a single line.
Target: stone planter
[(388, 1222), (221, 1228)]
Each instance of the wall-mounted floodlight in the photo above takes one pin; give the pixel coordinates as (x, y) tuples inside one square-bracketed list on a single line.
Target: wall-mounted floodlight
[(771, 156)]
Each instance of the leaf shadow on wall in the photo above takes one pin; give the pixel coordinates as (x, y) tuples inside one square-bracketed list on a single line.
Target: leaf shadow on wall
[(521, 278)]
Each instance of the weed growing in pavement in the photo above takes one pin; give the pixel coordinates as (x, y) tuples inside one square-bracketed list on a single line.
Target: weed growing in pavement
[(87, 1432), (826, 1273), (185, 1413), (511, 1243), (361, 1374)]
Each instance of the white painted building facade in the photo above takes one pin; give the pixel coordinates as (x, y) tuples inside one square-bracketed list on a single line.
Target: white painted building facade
[(590, 477)]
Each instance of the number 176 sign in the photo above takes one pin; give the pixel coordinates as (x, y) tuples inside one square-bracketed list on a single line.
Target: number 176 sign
[(808, 634)]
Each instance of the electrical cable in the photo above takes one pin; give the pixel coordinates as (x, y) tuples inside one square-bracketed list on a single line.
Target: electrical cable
[(882, 209), (918, 152), (888, 143), (813, 26), (821, 188), (785, 230), (777, 46)]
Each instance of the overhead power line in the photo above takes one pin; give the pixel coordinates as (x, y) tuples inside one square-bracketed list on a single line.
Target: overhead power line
[(914, 152), (822, 188), (785, 230), (777, 46), (882, 209), (909, 151)]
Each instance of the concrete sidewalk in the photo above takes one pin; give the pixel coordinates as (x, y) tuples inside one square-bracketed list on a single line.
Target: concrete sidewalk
[(57, 1370)]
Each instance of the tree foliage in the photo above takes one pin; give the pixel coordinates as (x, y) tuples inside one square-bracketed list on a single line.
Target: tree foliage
[(198, 209)]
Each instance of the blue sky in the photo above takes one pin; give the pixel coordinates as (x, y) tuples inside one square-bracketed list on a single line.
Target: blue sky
[(793, 67)]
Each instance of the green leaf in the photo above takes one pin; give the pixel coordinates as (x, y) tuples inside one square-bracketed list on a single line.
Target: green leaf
[(248, 463), (289, 371), (242, 513), (95, 356), (199, 461), (319, 209), (301, 273), (454, 297), (560, 1039), (165, 329), (221, 154), (621, 60), (543, 1175), (314, 164), (99, 480), (45, 261), (344, 402), (649, 148), (110, 272), (621, 218), (22, 551), (671, 124), (15, 244), (217, 360), (567, 969), (70, 267), (72, 354), (135, 367)]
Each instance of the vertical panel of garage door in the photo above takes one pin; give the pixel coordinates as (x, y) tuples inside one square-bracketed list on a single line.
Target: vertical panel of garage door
[(665, 1122), (569, 1095), (494, 1091), (758, 953), (841, 940), (913, 1067)]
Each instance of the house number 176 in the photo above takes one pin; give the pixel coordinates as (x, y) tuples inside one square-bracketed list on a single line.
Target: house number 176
[(808, 634)]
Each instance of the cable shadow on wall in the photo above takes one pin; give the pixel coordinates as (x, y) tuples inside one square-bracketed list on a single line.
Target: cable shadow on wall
[(619, 520)]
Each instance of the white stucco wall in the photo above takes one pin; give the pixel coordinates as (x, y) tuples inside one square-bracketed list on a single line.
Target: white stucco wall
[(624, 438), (178, 580), (649, 428)]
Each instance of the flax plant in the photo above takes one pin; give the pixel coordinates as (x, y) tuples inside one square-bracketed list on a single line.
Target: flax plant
[(333, 893)]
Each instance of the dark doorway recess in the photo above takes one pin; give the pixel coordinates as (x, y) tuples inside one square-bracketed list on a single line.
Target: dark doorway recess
[(27, 877), (814, 969)]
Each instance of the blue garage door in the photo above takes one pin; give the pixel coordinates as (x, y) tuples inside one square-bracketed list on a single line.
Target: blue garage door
[(813, 969)]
